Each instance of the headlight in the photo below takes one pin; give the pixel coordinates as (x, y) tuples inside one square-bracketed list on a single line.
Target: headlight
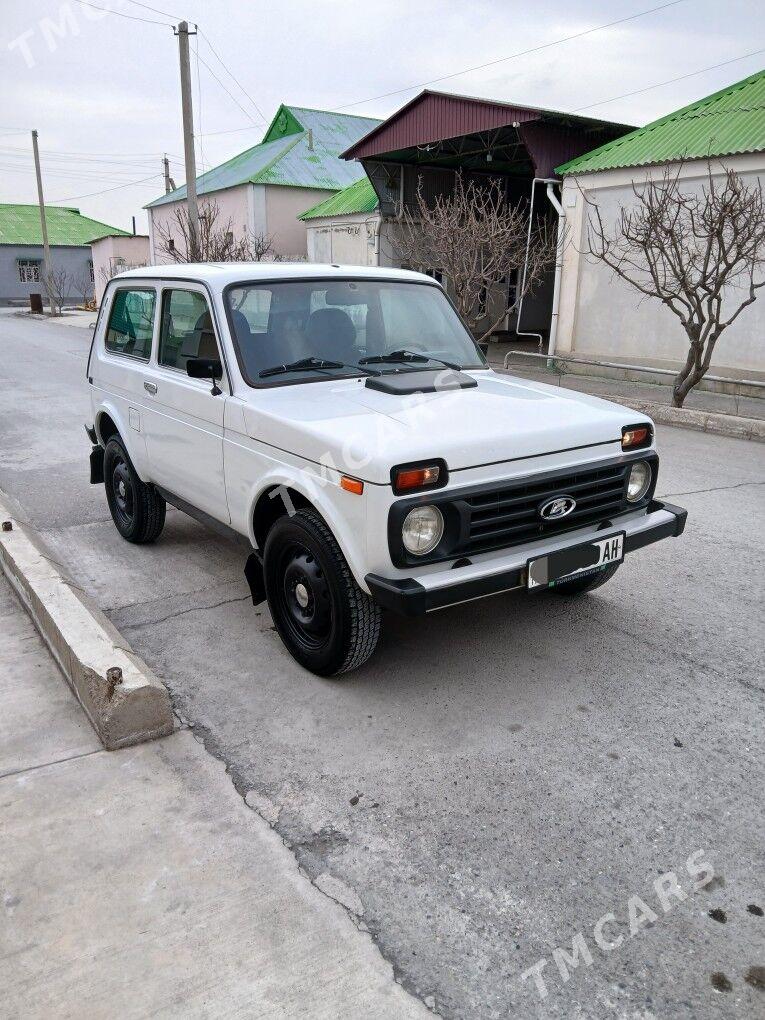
[(639, 481), (422, 530)]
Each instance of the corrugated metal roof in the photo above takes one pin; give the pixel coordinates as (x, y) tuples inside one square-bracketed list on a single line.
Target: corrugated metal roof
[(431, 117), (358, 198), (20, 224), (289, 156), (726, 123)]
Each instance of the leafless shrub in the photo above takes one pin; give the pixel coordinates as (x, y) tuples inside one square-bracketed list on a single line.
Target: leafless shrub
[(215, 243), (476, 240), (701, 254), (58, 283)]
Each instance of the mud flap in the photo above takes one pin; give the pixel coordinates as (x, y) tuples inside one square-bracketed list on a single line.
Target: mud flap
[(96, 465), (253, 572)]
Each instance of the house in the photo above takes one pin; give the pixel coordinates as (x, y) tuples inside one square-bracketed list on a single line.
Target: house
[(438, 134), (345, 228), (605, 318), (115, 253), (263, 190), (21, 251)]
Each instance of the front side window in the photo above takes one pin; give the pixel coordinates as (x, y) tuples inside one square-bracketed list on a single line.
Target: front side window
[(187, 329), (352, 323), (29, 271), (131, 323)]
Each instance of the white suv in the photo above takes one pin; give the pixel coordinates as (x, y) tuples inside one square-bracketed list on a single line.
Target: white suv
[(345, 423)]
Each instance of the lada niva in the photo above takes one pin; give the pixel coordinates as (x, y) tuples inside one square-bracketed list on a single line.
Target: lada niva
[(345, 424)]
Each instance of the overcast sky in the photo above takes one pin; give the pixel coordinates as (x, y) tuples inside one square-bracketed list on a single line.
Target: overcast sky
[(103, 89)]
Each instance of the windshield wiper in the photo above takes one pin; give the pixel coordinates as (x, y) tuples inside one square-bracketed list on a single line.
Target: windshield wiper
[(308, 363), (405, 357)]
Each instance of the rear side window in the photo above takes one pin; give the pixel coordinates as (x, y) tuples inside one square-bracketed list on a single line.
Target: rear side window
[(131, 323), (187, 329)]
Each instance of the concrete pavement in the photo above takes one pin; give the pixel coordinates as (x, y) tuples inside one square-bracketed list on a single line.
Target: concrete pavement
[(501, 775), (138, 883)]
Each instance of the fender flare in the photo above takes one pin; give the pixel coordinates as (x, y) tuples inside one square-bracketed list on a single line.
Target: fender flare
[(319, 496), (133, 441)]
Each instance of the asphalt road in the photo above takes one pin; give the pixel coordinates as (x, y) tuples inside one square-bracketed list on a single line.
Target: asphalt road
[(501, 775)]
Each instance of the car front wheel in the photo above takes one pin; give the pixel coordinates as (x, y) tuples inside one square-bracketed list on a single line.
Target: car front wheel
[(327, 622), (137, 509)]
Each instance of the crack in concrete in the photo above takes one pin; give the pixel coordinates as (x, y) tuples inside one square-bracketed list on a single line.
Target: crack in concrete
[(173, 595), (715, 488), (48, 764), (183, 612)]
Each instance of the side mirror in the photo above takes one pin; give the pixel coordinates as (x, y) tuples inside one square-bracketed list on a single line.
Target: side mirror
[(206, 368)]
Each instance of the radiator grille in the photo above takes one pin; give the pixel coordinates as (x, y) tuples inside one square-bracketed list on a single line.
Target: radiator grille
[(509, 515)]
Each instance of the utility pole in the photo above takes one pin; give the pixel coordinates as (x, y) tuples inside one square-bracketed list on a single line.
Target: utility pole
[(169, 182), (188, 136), (47, 267)]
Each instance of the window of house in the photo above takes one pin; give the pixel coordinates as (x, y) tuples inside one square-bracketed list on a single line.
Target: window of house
[(186, 330), (170, 244), (29, 270), (436, 274), (91, 271), (131, 323)]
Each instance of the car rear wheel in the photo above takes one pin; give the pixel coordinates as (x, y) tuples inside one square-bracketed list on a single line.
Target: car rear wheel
[(137, 510), (327, 622), (585, 584)]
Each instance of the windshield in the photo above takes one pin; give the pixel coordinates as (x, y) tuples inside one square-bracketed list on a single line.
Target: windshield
[(303, 330)]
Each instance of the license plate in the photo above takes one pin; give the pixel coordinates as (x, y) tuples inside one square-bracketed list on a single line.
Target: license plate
[(578, 561)]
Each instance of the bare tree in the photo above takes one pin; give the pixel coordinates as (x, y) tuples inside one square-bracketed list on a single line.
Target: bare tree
[(57, 283), (83, 287), (216, 241), (476, 239), (702, 254)]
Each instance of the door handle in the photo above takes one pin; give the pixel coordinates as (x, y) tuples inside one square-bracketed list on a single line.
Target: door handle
[(150, 387)]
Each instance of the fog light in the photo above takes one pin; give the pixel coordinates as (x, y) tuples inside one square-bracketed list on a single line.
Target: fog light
[(639, 481), (422, 530)]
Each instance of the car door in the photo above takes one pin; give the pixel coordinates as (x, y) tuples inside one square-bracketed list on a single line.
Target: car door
[(183, 417)]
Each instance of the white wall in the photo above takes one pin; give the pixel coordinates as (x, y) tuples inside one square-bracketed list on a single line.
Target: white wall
[(602, 316), (115, 254), (268, 209), (346, 240), (283, 205)]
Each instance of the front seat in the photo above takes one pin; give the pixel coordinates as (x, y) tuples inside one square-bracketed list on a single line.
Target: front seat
[(199, 343), (331, 335)]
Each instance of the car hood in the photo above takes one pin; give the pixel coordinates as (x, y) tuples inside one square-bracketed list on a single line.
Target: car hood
[(365, 432)]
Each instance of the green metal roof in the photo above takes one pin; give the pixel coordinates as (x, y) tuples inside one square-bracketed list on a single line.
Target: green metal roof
[(300, 149), (358, 198), (726, 123), (20, 224)]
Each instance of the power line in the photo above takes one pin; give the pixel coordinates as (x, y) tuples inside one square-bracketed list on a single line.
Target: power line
[(130, 184), (230, 73), (231, 97), (155, 11), (121, 14), (669, 81), (514, 56)]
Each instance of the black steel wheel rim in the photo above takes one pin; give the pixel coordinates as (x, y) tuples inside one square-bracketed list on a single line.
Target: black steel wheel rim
[(122, 492), (304, 598)]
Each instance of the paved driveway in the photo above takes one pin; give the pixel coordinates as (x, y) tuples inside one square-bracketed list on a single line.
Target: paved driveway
[(501, 775)]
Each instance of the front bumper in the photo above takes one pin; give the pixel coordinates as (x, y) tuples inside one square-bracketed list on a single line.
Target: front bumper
[(448, 587)]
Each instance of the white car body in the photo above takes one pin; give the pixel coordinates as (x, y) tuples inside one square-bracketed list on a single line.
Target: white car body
[(218, 455)]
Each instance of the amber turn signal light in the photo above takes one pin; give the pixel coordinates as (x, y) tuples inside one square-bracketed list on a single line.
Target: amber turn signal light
[(636, 436), (409, 479), (351, 485)]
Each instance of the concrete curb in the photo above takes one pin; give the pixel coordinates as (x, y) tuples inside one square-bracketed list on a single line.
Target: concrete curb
[(702, 421), (125, 702)]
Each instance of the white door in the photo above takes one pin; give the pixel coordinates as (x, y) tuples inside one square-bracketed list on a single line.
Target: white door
[(183, 418)]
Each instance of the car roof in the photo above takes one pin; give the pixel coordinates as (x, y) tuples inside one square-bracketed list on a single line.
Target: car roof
[(221, 274)]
